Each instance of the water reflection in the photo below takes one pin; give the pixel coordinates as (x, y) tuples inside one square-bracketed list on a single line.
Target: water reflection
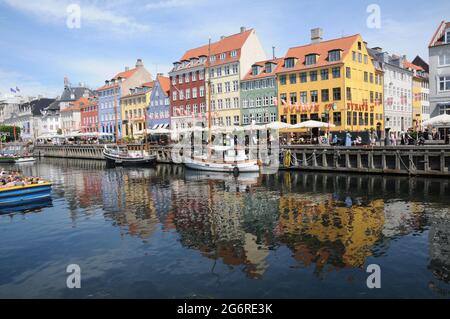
[(328, 222)]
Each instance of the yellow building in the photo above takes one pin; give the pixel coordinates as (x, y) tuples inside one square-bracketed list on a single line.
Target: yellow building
[(333, 81), (420, 93), (134, 109)]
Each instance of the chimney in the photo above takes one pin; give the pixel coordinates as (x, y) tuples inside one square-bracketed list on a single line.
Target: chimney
[(316, 35), (378, 49), (243, 29), (273, 52), (66, 82), (139, 63)]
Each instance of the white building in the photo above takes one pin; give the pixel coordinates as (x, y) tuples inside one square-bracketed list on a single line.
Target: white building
[(398, 85)]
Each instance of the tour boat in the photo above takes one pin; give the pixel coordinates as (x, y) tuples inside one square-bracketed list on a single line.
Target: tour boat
[(7, 159), (120, 156), (20, 195)]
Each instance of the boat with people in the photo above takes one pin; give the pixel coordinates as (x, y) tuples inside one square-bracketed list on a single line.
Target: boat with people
[(18, 190), (120, 156)]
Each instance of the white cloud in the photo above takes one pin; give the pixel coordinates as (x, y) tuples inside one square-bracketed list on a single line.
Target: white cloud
[(56, 11)]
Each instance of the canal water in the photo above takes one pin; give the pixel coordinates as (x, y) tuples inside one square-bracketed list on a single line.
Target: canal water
[(168, 232)]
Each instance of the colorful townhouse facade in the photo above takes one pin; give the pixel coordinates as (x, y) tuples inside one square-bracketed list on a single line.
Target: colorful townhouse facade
[(188, 92), (89, 116), (420, 95), (258, 93), (110, 94), (332, 81), (158, 111), (439, 52), (134, 108), (398, 87), (71, 116), (226, 63)]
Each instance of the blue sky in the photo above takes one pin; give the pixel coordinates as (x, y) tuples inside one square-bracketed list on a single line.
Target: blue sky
[(37, 49)]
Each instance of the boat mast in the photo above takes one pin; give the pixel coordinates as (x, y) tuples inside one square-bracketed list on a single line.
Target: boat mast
[(116, 120), (208, 65)]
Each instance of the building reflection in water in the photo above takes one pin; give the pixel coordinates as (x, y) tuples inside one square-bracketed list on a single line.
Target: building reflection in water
[(327, 221)]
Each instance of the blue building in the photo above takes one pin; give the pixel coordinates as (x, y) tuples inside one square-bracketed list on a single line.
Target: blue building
[(158, 111), (109, 96)]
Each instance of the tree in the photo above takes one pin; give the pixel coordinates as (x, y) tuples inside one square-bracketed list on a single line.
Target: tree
[(8, 132)]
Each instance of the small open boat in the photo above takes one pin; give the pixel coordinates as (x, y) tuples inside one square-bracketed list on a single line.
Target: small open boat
[(121, 156), (20, 195)]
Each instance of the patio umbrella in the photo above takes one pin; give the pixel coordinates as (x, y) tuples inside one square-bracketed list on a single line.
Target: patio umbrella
[(278, 126), (441, 120), (313, 124)]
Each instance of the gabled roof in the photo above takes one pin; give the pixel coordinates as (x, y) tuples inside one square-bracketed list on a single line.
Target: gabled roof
[(439, 35), (37, 105), (76, 105), (74, 93), (125, 74), (322, 48), (227, 44), (262, 74), (164, 82)]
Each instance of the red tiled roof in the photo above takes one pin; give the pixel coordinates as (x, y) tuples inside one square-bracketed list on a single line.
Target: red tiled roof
[(322, 48), (125, 74), (76, 105), (409, 65), (230, 43), (149, 84), (164, 81), (263, 74)]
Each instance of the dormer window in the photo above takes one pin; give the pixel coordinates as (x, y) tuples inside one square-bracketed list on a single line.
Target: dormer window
[(212, 58), (268, 67), (334, 55), (222, 56), (255, 70), (447, 36), (233, 53), (311, 59), (289, 63)]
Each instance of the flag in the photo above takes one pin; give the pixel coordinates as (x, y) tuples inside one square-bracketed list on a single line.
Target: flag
[(17, 89), (12, 90)]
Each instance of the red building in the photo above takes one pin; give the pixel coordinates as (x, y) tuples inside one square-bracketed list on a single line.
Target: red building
[(89, 116), (188, 90)]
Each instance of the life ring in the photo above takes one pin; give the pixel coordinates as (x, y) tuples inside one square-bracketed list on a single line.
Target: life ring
[(235, 171)]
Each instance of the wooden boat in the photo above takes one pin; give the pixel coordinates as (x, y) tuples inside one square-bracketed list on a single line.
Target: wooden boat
[(7, 159), (120, 156), (20, 195)]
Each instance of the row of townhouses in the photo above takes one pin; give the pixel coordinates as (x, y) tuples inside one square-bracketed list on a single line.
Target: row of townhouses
[(341, 81)]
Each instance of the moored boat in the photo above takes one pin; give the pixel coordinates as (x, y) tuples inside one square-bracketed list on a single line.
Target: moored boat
[(25, 159), (20, 195), (122, 157)]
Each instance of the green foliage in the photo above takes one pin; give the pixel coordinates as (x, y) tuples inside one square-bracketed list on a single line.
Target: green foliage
[(8, 133)]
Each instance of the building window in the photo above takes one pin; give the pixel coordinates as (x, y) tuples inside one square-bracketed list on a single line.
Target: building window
[(303, 77), (334, 55), (293, 119), (325, 95), (293, 78), (233, 53), (313, 76), (282, 79), (283, 98), (324, 74), (337, 118), (444, 83), (348, 72), (366, 77), (349, 94), (336, 72), (304, 97), (222, 56), (293, 98), (337, 94), (314, 96), (444, 59), (310, 59), (448, 36), (289, 63)]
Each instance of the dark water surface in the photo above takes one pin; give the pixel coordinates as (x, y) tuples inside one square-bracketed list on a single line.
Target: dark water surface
[(171, 233)]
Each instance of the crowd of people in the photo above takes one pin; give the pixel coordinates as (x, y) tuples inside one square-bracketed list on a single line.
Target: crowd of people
[(14, 178)]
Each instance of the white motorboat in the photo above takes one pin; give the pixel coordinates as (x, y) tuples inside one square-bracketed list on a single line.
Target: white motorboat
[(26, 159)]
